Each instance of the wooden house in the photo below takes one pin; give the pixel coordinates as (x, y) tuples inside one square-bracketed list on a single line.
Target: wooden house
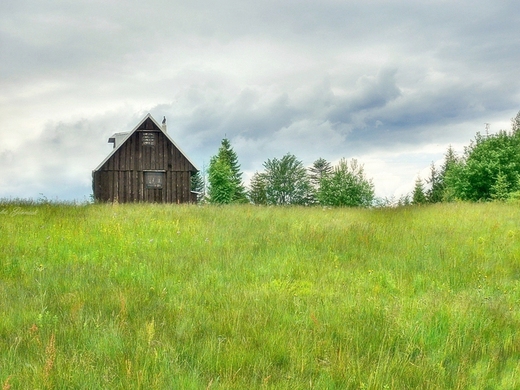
[(145, 165)]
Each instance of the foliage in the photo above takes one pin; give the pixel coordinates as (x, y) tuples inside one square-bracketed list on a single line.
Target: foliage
[(448, 174), (346, 185), (488, 170), (198, 185), (486, 159), (500, 189), (418, 196), (257, 191), (319, 170), (515, 124), (224, 176), (227, 153), (438, 191), (221, 184), (286, 181), (167, 296), (435, 193), (404, 200)]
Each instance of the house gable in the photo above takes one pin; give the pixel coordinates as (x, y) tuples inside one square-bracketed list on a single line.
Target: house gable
[(148, 123), (146, 166)]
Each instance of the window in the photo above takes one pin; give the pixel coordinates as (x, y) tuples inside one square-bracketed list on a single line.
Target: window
[(148, 139), (154, 180)]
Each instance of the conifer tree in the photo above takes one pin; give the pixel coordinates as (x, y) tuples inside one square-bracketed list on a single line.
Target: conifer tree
[(319, 170), (500, 189), (198, 185), (450, 175), (418, 196), (450, 159), (221, 186), (224, 176), (515, 124), (227, 154), (257, 189), (436, 191)]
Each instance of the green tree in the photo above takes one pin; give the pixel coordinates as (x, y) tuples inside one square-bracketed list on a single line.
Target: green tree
[(227, 154), (485, 159), (287, 182), (418, 196), (450, 159), (452, 176), (198, 185), (221, 185), (435, 193), (258, 189), (224, 176), (500, 189), (346, 185), (515, 124), (320, 169), (404, 200)]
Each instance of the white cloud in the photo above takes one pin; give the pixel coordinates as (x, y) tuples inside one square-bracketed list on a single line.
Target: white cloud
[(379, 80)]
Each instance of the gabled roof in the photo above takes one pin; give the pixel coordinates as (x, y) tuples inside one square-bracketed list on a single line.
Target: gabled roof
[(128, 135)]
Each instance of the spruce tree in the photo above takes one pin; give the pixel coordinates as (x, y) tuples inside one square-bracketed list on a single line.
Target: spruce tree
[(228, 155), (436, 191), (500, 189), (450, 159), (221, 186), (515, 124), (257, 189), (224, 176), (450, 175), (198, 185), (418, 196), (319, 170)]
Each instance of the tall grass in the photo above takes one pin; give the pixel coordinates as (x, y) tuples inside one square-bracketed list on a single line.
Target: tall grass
[(163, 296)]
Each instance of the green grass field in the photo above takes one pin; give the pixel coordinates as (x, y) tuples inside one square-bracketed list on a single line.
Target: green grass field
[(243, 297)]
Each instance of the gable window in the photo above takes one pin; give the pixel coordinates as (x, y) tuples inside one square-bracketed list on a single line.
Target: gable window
[(154, 180), (148, 139)]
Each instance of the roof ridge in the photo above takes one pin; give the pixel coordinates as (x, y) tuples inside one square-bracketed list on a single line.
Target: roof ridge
[(130, 133)]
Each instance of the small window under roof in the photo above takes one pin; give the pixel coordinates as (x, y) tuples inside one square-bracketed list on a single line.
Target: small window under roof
[(148, 139)]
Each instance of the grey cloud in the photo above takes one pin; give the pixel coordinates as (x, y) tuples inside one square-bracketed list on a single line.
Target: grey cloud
[(330, 78), (370, 92), (58, 163)]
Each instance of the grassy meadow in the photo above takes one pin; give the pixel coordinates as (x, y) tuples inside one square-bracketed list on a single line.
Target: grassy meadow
[(243, 297)]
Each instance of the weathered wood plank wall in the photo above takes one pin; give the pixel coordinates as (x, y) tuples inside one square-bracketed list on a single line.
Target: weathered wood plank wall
[(122, 177)]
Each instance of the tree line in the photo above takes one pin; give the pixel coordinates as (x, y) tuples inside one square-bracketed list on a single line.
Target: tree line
[(489, 169), (284, 181)]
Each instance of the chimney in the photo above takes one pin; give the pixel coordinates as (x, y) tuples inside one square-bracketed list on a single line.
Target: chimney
[(164, 125)]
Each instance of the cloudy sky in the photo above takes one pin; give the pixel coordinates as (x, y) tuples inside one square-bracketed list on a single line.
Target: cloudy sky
[(390, 82)]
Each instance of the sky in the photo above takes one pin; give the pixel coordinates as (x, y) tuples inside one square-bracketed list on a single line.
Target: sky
[(391, 83)]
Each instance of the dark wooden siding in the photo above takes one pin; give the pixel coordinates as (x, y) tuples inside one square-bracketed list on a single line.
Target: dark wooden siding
[(122, 177)]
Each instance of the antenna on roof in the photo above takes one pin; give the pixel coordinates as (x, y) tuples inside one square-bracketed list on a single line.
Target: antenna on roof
[(487, 129)]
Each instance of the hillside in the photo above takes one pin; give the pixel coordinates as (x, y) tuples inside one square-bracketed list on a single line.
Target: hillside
[(162, 296)]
